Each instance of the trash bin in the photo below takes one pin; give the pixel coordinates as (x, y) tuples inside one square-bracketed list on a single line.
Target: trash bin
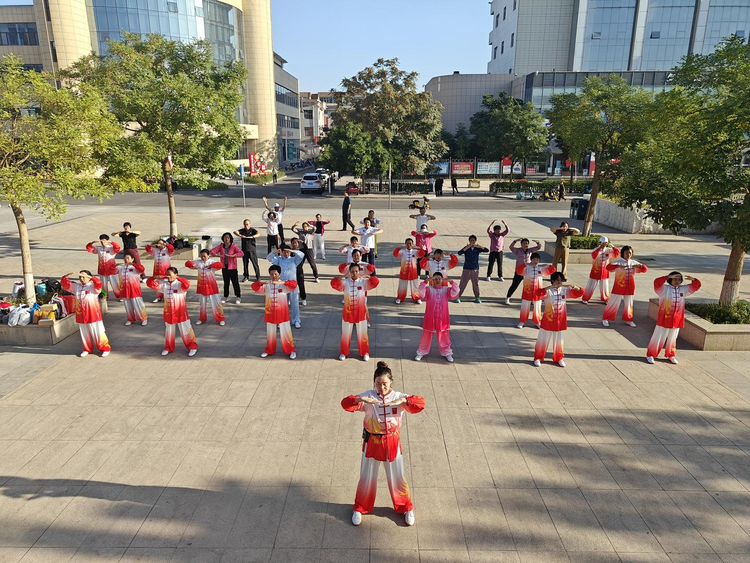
[(573, 208), (578, 208)]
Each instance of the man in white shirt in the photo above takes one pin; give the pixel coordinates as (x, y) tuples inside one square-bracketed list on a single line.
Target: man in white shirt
[(367, 234), (422, 218)]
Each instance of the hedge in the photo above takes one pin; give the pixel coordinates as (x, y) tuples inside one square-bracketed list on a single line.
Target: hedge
[(263, 178), (580, 242), (737, 313), (506, 186)]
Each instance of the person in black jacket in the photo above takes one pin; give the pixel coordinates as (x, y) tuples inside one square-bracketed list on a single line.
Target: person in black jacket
[(439, 187), (346, 212), (454, 186), (249, 251)]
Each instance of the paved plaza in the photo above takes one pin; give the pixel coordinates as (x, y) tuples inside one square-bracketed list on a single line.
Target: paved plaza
[(227, 457)]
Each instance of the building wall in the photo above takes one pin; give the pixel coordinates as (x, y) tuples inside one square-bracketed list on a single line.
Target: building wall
[(31, 54), (544, 35), (288, 134), (505, 25)]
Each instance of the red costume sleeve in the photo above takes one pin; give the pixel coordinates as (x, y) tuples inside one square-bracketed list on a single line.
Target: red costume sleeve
[(520, 269), (642, 269), (184, 283), (539, 294), (414, 234), (342, 267), (414, 404), (695, 285), (369, 269), (574, 293), (90, 248), (424, 261), (337, 284), (453, 262), (659, 283), (615, 252), (350, 403), (215, 266), (612, 267), (432, 234), (65, 283), (422, 252), (549, 270), (397, 252), (97, 283), (115, 247), (170, 249), (152, 283), (372, 283), (257, 287), (148, 248), (291, 284), (140, 268), (190, 264), (596, 252)]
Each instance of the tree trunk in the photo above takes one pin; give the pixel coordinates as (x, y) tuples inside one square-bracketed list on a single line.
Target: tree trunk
[(28, 273), (170, 199), (730, 289), (588, 222)]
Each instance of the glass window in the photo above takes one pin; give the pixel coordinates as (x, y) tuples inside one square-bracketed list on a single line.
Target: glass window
[(286, 96), (514, 5), (512, 39), (502, 47), (497, 20), (494, 52), (608, 33), (668, 27), (504, 12), (18, 34), (172, 7), (725, 18)]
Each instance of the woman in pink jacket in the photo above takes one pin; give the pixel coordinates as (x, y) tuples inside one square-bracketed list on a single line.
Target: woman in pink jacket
[(228, 253), (436, 316), (423, 242)]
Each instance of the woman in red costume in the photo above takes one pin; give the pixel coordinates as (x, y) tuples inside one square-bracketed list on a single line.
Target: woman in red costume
[(175, 310), (555, 318), (129, 290), (208, 289), (88, 311), (161, 253), (384, 409), (355, 313), (277, 312), (623, 289), (671, 319)]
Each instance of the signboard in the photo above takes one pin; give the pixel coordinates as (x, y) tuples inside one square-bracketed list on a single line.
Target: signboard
[(441, 167), (517, 168), (463, 168), (506, 169), (488, 168), (531, 170)]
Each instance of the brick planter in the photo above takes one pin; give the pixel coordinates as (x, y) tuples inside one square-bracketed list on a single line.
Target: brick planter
[(705, 335)]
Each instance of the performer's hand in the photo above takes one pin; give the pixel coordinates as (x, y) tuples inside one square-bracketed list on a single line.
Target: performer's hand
[(368, 400), (688, 278), (400, 401)]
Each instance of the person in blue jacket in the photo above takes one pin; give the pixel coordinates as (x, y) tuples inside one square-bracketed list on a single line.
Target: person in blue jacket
[(471, 253)]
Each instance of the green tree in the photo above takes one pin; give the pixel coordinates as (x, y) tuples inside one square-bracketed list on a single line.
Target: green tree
[(348, 148), (383, 100), (689, 170), (605, 119), (174, 102), (508, 127), (466, 146), (52, 141)]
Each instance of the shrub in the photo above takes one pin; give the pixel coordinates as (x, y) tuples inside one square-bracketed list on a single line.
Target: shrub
[(179, 185), (506, 186), (191, 239), (263, 178), (733, 314), (580, 242)]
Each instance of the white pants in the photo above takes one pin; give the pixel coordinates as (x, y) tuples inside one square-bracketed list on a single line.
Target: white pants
[(588, 292), (92, 334), (368, 484), (216, 307), (319, 246), (665, 338), (135, 309)]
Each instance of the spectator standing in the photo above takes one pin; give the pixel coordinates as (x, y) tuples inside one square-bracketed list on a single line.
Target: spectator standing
[(439, 187), (346, 212), (562, 245), (275, 175), (129, 243), (454, 186)]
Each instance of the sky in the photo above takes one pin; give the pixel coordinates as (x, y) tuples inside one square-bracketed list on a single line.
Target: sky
[(327, 40)]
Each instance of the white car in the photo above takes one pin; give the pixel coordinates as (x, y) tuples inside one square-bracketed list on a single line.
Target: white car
[(323, 173), (311, 182)]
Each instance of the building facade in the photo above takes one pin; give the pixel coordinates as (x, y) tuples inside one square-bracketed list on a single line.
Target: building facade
[(287, 112), (52, 34), (314, 120), (608, 35)]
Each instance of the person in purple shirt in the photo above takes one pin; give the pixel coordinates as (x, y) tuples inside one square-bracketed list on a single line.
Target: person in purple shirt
[(523, 256), (497, 243)]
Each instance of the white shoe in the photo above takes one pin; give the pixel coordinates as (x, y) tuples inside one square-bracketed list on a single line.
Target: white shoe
[(419, 301), (223, 299), (292, 355), (304, 302), (237, 301), (538, 326), (264, 355), (192, 352), (198, 322), (449, 358), (317, 280), (342, 357), (83, 354), (673, 360), (356, 518), (366, 358), (507, 300), (342, 301), (164, 352), (222, 323), (630, 323), (650, 359), (501, 278), (105, 353), (418, 357), (297, 325), (409, 518), (144, 323), (489, 278), (605, 323), (537, 363), (519, 325), (561, 363), (128, 323), (585, 302), (156, 300), (398, 301), (369, 325)]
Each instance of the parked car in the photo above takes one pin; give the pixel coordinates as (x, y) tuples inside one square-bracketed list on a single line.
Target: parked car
[(323, 173), (311, 182)]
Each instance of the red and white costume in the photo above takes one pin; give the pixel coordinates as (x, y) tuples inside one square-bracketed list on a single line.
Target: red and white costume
[(671, 315), (161, 262), (599, 274), (554, 321), (208, 289), (623, 288), (349, 249), (277, 313), (383, 443), (364, 268), (355, 311), (175, 311), (129, 290), (442, 266), (407, 275), (436, 316), (88, 313), (530, 298), (106, 265)]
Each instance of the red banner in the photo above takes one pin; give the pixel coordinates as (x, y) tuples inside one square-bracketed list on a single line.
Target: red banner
[(462, 168)]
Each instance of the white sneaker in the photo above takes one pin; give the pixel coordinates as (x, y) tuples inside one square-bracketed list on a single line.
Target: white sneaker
[(650, 359), (507, 300), (356, 518), (673, 360), (164, 352), (222, 323), (561, 363), (192, 352), (489, 278), (449, 358), (605, 323), (83, 354), (630, 323), (585, 302), (297, 325), (409, 518), (342, 301), (128, 323), (538, 326), (144, 323), (198, 322), (223, 299), (537, 363), (156, 300), (264, 355), (501, 278), (237, 301), (418, 357), (519, 325), (292, 355), (398, 301), (342, 357), (369, 325), (366, 358), (304, 302), (105, 353), (419, 301), (317, 280)]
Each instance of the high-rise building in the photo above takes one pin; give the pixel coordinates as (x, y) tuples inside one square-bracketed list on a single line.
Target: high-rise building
[(52, 34), (608, 35), (287, 111)]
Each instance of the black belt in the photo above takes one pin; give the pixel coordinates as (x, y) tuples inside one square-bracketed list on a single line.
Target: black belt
[(366, 435)]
